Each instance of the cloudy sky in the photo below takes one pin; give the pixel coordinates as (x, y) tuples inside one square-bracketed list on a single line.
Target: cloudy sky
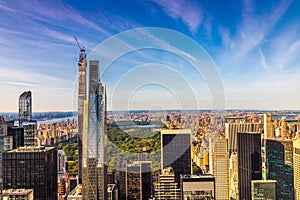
[(254, 47)]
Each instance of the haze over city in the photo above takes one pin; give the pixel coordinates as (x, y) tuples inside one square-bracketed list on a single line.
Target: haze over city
[(253, 44)]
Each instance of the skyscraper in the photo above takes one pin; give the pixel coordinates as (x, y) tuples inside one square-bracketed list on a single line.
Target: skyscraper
[(139, 180), (25, 107), (176, 151), (221, 168), (197, 187), (296, 162), (81, 98), (167, 188), (231, 130), (283, 127), (6, 142), (279, 155), (18, 136), (121, 177), (30, 131), (94, 167), (32, 168), (263, 190), (249, 161), (268, 127)]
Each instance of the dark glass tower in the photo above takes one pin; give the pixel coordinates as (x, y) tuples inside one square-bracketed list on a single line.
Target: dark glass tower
[(25, 107), (279, 155), (176, 151), (94, 167), (18, 136), (250, 163), (31, 168)]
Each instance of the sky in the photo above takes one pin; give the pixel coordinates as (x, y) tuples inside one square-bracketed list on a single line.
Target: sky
[(251, 47)]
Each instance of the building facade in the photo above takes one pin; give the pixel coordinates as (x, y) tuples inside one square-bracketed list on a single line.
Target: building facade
[(249, 162), (30, 131), (139, 181), (268, 126), (81, 98), (279, 154), (296, 163), (221, 168), (263, 190), (231, 130), (32, 168), (197, 187), (25, 107), (166, 187), (176, 151), (17, 194), (94, 138)]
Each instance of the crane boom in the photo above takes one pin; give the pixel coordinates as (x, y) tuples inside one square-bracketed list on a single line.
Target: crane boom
[(80, 47), (82, 55)]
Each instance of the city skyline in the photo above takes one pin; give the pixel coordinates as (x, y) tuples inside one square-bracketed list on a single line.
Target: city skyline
[(254, 46)]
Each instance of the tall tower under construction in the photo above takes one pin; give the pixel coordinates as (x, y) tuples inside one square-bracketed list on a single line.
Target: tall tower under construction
[(81, 98)]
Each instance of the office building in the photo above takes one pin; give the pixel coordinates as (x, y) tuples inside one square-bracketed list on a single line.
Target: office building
[(166, 187), (30, 131), (17, 194), (5, 142), (279, 154), (121, 177), (176, 151), (249, 162), (231, 130), (94, 136), (197, 187), (18, 136), (25, 107), (268, 126), (221, 168), (296, 163), (31, 168), (263, 190), (81, 98), (139, 180), (76, 193)]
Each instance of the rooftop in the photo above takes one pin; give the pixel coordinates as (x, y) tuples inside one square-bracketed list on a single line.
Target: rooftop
[(176, 131), (32, 149), (16, 191)]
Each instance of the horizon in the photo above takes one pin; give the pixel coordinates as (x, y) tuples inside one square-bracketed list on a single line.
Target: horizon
[(253, 46)]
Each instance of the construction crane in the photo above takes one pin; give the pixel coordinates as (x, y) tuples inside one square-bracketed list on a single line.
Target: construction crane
[(82, 55)]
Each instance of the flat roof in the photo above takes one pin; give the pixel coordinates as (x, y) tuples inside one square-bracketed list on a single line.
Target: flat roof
[(176, 131), (196, 176), (31, 149), (263, 181), (16, 191)]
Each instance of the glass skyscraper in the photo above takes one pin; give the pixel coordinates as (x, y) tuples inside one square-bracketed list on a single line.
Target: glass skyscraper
[(279, 155), (25, 107), (249, 162), (176, 151), (94, 167)]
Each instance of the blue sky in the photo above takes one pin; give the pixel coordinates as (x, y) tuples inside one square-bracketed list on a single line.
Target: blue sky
[(255, 46)]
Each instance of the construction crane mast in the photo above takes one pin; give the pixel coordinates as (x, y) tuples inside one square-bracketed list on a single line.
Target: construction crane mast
[(82, 54)]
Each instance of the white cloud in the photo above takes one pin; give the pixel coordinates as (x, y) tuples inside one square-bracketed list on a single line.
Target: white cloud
[(190, 13)]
